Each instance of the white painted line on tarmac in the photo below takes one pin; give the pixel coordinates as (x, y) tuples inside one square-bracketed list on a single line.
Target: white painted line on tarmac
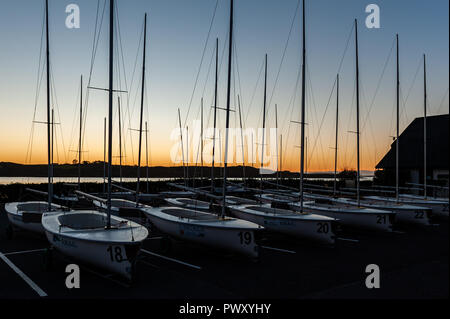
[(23, 252), (30, 282), (279, 249), (348, 239), (171, 259)]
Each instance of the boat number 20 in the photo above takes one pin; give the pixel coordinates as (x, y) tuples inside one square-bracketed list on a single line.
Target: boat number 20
[(323, 228), (115, 253), (245, 237)]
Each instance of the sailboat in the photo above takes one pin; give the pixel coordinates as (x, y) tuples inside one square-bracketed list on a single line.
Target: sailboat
[(304, 224), (347, 215), (125, 207), (438, 206), (28, 215), (206, 228), (405, 212), (94, 237)]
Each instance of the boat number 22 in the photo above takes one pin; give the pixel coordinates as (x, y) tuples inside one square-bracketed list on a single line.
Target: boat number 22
[(245, 237), (115, 253)]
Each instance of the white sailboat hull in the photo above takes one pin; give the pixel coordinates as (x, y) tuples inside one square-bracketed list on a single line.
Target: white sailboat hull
[(312, 227), (376, 220), (27, 215), (114, 250), (439, 208), (404, 213), (229, 234)]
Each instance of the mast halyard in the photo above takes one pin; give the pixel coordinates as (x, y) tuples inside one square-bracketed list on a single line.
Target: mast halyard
[(357, 113), (142, 111), (302, 149), (424, 128), (49, 141), (104, 155), (397, 130), (182, 147), (336, 137), (110, 109), (215, 115), (227, 124), (201, 143)]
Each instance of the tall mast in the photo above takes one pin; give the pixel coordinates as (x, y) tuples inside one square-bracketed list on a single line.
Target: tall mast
[(281, 154), (424, 128), (357, 112), (227, 124), (120, 140), (201, 144), (142, 111), (80, 137), (302, 149), (110, 109), (276, 138), (242, 139), (49, 142), (398, 122), (215, 115), (336, 137), (264, 125), (146, 155), (104, 155), (182, 146)]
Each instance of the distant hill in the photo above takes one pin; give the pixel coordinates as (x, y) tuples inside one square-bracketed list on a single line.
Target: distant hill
[(95, 169)]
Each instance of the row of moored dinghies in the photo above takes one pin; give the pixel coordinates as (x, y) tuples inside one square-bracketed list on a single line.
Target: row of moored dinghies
[(111, 235)]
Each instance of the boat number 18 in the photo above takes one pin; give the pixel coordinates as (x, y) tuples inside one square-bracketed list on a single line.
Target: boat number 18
[(115, 253), (245, 237)]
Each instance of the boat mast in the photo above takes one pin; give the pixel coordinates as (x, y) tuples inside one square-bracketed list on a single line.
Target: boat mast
[(142, 111), (49, 142), (264, 127), (215, 116), (302, 150), (81, 126), (110, 109), (227, 124), (242, 139), (201, 144), (336, 140), (120, 141), (146, 155), (281, 154), (424, 128), (357, 112), (104, 155), (276, 139), (398, 120), (182, 147)]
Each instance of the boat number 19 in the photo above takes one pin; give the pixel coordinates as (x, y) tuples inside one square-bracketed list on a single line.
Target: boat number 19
[(115, 253), (245, 237)]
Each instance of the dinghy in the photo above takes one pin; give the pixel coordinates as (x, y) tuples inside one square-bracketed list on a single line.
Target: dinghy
[(208, 229), (305, 226), (82, 235), (189, 203), (94, 237), (27, 215)]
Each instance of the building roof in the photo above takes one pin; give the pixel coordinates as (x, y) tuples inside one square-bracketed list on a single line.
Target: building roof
[(411, 145)]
